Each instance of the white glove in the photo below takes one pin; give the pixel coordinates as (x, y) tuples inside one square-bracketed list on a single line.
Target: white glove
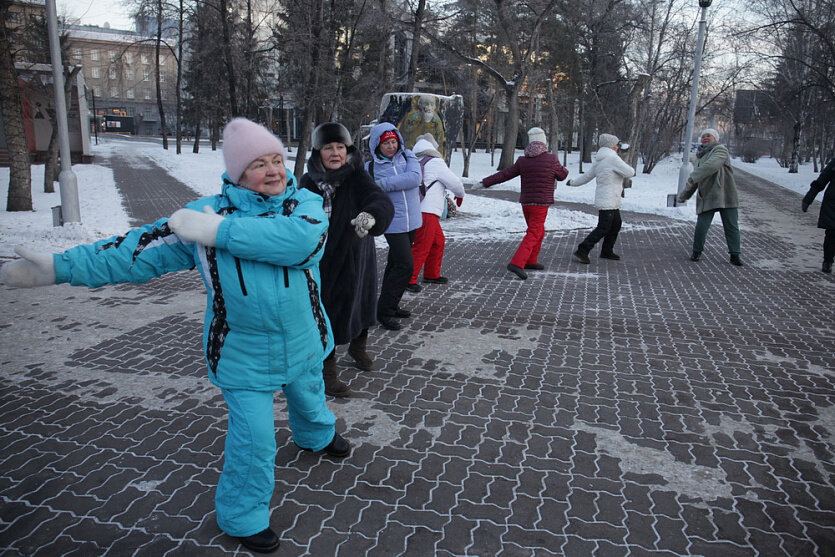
[(363, 223), (194, 226), (35, 269)]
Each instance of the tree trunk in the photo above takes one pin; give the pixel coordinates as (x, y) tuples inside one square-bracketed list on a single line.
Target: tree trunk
[(20, 174), (196, 147), (511, 128), (51, 169), (160, 108), (413, 60), (227, 58)]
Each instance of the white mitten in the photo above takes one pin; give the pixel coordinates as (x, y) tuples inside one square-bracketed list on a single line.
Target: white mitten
[(363, 223), (194, 226), (35, 269)]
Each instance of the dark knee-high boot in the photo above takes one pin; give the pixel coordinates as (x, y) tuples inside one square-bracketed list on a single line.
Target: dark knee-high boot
[(333, 386), (357, 351)]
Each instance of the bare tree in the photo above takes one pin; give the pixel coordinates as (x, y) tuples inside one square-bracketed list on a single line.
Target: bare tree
[(20, 176)]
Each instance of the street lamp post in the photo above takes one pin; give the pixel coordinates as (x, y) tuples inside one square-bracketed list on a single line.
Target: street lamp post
[(684, 171), (67, 182)]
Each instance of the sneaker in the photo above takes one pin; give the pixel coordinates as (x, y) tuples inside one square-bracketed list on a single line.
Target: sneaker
[(696, 256), (516, 270), (582, 256), (613, 256), (535, 266), (414, 287), (263, 542), (735, 260)]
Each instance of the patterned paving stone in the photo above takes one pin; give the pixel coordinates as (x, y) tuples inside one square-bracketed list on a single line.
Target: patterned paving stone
[(650, 406)]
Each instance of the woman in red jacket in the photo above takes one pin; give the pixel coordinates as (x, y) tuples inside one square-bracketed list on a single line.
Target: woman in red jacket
[(540, 171)]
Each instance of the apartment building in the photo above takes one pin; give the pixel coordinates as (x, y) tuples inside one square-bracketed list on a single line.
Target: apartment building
[(120, 73)]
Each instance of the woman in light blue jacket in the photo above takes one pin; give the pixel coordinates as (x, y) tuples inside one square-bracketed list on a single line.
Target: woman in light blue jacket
[(257, 245), (397, 171)]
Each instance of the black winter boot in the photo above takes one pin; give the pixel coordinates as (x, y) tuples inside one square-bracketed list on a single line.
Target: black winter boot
[(263, 542), (357, 351), (333, 386), (696, 256), (827, 267), (735, 260)]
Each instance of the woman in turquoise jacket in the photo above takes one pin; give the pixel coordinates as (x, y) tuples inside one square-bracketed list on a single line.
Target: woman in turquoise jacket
[(257, 246), (397, 171)]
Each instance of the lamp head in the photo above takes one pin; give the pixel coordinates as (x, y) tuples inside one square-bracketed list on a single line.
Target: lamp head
[(705, 3)]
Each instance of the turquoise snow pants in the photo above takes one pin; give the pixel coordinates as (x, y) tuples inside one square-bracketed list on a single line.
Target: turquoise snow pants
[(242, 499)]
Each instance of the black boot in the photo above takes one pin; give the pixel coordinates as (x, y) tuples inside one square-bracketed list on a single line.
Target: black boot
[(735, 260), (263, 542), (333, 386), (696, 256), (337, 448), (827, 267), (389, 323), (357, 351), (518, 271), (582, 256)]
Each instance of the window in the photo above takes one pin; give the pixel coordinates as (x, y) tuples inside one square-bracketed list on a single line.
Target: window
[(114, 92), (76, 54), (129, 93), (146, 75), (130, 74), (144, 57), (147, 113), (147, 94), (161, 77), (112, 73), (15, 17), (163, 94), (97, 91), (112, 55), (129, 57), (95, 72), (94, 54)]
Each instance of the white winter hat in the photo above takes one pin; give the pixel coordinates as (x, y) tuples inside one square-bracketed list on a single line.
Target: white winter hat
[(537, 134), (243, 142), (607, 140), (710, 131)]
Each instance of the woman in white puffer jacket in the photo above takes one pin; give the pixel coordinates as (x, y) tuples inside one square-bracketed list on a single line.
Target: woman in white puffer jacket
[(428, 248), (609, 171)]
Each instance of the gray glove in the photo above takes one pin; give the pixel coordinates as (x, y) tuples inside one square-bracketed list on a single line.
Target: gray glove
[(363, 223), (35, 269), (194, 226)]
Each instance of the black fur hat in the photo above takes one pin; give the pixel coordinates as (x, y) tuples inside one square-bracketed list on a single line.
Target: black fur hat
[(331, 132)]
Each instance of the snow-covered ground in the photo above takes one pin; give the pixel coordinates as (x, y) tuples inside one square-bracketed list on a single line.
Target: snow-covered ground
[(103, 215)]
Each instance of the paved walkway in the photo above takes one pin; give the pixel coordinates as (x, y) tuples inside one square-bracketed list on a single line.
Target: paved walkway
[(651, 406)]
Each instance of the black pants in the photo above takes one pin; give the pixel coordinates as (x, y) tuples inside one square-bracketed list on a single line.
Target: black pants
[(608, 227), (829, 245), (398, 272)]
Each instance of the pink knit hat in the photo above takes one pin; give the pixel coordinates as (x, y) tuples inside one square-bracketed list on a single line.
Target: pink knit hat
[(243, 142)]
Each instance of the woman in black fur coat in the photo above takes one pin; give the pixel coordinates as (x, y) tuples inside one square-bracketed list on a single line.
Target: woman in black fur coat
[(358, 210)]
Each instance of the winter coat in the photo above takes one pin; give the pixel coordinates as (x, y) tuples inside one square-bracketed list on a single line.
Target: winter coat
[(349, 265), (826, 219), (399, 177), (713, 177), (609, 170), (540, 172), (438, 179), (264, 323)]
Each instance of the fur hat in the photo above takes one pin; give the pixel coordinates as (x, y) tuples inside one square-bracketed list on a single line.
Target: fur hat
[(710, 131), (243, 142), (607, 140), (331, 132), (537, 134)]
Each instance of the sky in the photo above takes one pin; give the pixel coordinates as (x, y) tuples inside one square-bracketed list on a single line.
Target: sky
[(96, 12), (103, 214)]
